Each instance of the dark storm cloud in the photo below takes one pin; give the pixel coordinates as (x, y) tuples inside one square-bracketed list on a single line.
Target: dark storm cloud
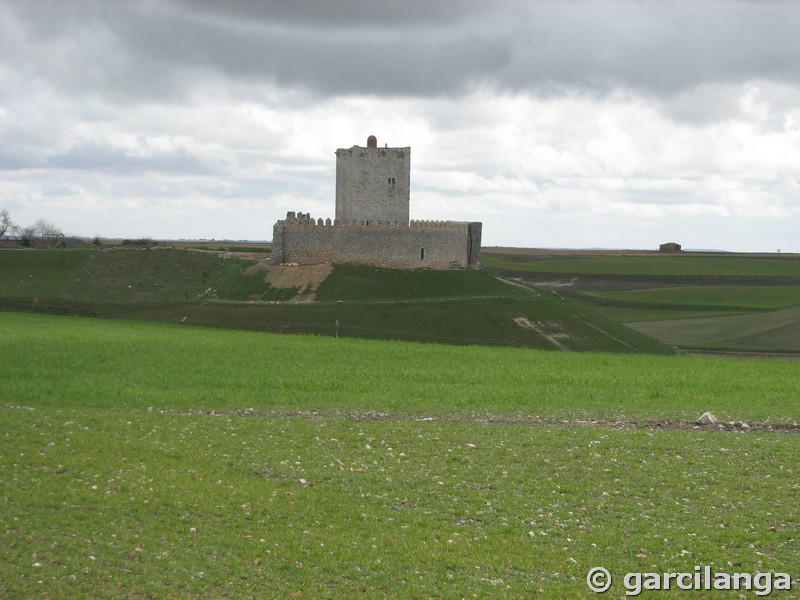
[(323, 62), (655, 46), (344, 14), (165, 49)]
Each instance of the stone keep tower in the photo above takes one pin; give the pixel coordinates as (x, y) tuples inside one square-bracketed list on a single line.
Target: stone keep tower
[(373, 184), (371, 225)]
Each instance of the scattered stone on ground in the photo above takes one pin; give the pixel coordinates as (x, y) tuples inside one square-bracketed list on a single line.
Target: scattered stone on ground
[(495, 419), (707, 419)]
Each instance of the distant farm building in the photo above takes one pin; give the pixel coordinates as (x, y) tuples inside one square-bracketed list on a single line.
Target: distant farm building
[(372, 224), (669, 247)]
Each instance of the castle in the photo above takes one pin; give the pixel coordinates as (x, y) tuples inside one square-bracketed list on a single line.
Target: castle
[(372, 224)]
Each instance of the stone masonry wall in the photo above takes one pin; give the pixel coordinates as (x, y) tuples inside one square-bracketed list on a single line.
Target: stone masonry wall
[(418, 244), (373, 184)]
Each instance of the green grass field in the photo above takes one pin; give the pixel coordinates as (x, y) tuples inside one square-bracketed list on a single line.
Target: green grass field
[(719, 297), (690, 300), (149, 460), (649, 265), (779, 329), (74, 362)]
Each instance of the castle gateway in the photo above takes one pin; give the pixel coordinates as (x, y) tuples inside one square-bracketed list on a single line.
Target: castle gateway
[(372, 224)]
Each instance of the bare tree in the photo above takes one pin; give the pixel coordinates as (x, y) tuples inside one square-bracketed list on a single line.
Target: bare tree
[(45, 229), (41, 233), (6, 223), (47, 233)]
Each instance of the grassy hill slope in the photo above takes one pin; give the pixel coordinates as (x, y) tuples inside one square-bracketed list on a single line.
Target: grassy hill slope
[(130, 275), (222, 290)]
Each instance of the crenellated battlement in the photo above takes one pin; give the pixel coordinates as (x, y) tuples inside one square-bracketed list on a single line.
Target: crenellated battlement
[(300, 220)]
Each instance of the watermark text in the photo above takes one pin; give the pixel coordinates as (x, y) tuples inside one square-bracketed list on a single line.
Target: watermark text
[(600, 580)]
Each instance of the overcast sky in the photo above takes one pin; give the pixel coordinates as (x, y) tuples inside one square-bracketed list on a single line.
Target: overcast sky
[(559, 124)]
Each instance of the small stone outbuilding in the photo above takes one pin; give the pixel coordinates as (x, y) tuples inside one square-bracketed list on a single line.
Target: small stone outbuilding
[(669, 247)]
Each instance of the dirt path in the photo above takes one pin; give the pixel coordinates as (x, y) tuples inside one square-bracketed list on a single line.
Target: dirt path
[(497, 419)]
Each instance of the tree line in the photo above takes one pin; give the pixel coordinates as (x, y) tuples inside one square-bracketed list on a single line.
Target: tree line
[(41, 233)]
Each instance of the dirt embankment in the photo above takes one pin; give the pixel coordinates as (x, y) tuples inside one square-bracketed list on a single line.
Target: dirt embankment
[(306, 278)]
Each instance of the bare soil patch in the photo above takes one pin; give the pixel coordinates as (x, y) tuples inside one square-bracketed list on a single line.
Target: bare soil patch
[(305, 278), (549, 330)]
